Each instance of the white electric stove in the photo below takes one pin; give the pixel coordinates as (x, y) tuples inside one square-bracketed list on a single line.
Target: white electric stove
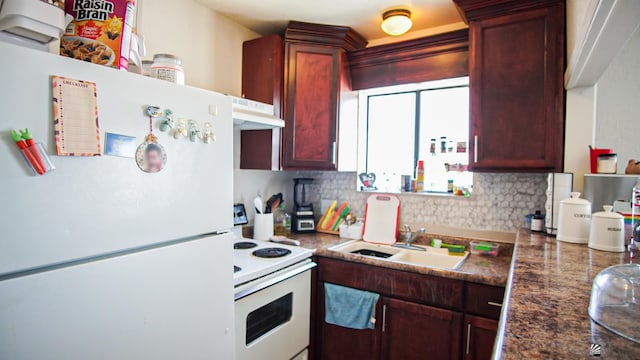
[(272, 297), (254, 259)]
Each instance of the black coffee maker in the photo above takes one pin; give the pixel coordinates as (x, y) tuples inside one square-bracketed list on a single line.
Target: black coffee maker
[(303, 218)]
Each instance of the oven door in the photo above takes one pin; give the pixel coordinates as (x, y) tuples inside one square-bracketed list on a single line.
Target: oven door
[(273, 322)]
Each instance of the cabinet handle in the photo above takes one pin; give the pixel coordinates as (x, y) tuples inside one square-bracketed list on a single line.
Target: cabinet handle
[(475, 149), (468, 337), (334, 150), (494, 304), (384, 317)]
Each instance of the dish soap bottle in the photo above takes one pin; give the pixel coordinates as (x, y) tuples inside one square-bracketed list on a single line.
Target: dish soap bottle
[(420, 177), (281, 222)]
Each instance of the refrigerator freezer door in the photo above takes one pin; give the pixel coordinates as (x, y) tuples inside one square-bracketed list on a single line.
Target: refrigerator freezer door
[(171, 302), (97, 205)]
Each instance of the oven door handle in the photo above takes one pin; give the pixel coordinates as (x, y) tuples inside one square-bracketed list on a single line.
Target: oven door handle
[(265, 284)]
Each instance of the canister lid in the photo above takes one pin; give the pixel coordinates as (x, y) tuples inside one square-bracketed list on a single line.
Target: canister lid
[(608, 213), (575, 200)]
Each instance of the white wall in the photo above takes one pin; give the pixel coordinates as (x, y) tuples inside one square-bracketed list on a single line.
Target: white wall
[(618, 104), (579, 132), (209, 44)]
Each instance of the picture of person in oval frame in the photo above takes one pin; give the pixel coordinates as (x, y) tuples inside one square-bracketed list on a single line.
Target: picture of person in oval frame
[(151, 157)]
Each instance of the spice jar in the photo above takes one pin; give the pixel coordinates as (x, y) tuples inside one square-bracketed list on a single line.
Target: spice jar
[(167, 67), (537, 222)]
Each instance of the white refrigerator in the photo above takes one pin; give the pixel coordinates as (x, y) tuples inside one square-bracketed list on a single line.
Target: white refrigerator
[(98, 259)]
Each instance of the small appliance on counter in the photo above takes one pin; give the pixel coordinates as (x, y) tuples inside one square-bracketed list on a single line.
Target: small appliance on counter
[(559, 187), (574, 220), (303, 217), (607, 231), (603, 189)]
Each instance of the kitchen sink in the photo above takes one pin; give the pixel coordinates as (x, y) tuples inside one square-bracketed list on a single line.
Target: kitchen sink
[(431, 257), (366, 249)]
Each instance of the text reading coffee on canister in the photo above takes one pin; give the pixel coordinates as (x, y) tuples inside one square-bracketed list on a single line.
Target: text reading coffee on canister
[(167, 67)]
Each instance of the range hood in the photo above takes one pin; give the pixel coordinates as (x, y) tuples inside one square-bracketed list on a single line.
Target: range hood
[(253, 115)]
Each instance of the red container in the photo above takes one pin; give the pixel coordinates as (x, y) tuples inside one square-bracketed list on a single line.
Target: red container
[(593, 153)]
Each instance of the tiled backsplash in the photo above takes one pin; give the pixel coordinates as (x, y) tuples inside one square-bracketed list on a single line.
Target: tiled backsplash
[(499, 201)]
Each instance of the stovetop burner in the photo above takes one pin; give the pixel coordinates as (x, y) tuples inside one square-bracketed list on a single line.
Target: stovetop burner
[(243, 245), (271, 253), (236, 269)]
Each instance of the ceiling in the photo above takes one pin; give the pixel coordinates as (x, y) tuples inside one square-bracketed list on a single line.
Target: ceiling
[(271, 16)]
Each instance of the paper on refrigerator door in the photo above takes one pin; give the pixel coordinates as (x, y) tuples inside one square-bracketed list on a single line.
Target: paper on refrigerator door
[(75, 114)]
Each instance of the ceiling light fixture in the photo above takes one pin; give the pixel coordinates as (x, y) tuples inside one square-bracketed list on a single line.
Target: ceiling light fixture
[(396, 22)]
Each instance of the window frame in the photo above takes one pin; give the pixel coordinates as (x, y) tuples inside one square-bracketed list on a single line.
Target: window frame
[(417, 89)]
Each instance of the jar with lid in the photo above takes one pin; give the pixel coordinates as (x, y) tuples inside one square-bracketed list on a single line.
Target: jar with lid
[(537, 222), (607, 163), (167, 67)]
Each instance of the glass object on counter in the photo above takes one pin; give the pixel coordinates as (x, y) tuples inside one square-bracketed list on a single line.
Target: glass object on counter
[(615, 301), (167, 67), (281, 222)]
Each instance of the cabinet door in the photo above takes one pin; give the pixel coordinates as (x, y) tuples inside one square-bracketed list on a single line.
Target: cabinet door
[(262, 73), (312, 84), (480, 335), (335, 342), (413, 331), (517, 94)]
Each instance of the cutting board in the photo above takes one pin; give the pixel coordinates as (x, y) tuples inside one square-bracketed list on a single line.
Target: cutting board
[(381, 219)]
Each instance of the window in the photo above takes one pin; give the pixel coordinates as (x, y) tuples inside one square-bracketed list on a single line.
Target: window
[(409, 123)]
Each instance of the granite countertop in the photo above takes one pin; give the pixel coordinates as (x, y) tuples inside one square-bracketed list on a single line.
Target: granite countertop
[(545, 313), (479, 269)]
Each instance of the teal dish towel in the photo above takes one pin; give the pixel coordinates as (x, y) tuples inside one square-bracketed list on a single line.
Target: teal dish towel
[(350, 308)]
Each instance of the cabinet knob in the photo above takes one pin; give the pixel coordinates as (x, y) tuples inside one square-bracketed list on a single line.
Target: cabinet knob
[(334, 150), (468, 338), (384, 317), (475, 149)]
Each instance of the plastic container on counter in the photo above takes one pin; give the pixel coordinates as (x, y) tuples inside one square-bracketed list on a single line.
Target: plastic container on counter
[(484, 248), (167, 67)]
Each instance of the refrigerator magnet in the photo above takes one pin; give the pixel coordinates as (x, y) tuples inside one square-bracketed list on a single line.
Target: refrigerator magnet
[(151, 156)]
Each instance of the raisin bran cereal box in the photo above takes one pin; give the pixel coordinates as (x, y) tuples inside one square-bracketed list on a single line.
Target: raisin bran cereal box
[(100, 31)]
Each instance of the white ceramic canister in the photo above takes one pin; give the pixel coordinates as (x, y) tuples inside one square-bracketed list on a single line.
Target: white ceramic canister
[(574, 220), (607, 231)]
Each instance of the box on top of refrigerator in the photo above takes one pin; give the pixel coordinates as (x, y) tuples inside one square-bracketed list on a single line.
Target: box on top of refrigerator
[(100, 31)]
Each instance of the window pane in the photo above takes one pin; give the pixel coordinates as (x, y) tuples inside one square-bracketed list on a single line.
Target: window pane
[(391, 138), (444, 117)]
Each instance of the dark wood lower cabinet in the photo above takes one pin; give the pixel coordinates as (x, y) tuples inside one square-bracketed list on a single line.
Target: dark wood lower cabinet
[(414, 331), (343, 343), (417, 317), (479, 337)]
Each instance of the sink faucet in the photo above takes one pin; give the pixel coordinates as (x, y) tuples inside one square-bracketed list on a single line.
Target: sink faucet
[(409, 238)]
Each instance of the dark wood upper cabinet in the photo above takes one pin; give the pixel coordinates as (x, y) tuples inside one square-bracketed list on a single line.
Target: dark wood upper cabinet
[(262, 76), (316, 79), (436, 57), (517, 61)]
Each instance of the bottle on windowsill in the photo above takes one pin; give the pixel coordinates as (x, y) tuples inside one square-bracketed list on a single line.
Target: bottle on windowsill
[(420, 177)]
